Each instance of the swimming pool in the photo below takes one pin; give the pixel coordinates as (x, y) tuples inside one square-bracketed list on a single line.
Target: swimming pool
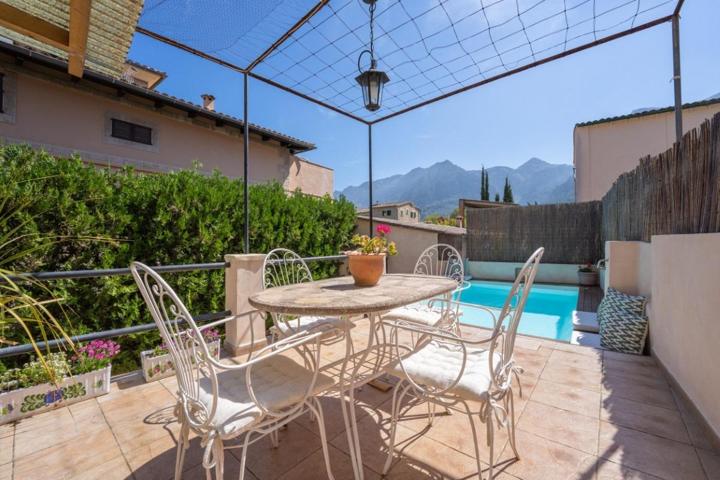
[(548, 311)]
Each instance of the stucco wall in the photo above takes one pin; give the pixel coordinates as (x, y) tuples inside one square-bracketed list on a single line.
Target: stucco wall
[(629, 268), (685, 320), (65, 118), (605, 150), (310, 178), (410, 243)]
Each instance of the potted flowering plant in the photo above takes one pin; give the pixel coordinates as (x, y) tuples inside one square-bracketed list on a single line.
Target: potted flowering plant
[(588, 275), (157, 363), (367, 261), (57, 381)]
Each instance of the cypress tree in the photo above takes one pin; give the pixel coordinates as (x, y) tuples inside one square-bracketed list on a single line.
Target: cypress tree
[(484, 194), (507, 192)]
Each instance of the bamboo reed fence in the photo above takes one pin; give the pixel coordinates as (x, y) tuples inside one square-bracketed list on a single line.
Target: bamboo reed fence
[(677, 191), (570, 233)]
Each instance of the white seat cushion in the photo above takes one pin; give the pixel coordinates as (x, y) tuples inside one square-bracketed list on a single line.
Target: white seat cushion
[(438, 365), (302, 324), (421, 314), (278, 382), (585, 322)]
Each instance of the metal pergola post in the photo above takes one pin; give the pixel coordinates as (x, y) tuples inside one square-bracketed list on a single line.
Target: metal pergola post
[(677, 81), (370, 180), (246, 154)]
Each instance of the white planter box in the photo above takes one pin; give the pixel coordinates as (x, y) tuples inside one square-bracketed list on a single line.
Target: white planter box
[(161, 366), (25, 402)]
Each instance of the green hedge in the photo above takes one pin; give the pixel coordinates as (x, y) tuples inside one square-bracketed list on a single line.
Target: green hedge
[(177, 218)]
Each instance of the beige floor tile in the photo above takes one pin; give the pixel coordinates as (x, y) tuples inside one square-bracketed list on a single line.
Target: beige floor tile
[(528, 343), (7, 444), (116, 468), (648, 453), (622, 387), (607, 470), (6, 471), (313, 467), (44, 430), (638, 374), (332, 411), (267, 463), (572, 377), (156, 459), (531, 362), (70, 459), (585, 402), (231, 468), (440, 460), (453, 429), (374, 432), (629, 358), (7, 430), (134, 433), (585, 362), (699, 435), (710, 463), (578, 349), (629, 367), (644, 417), (567, 428), (542, 459)]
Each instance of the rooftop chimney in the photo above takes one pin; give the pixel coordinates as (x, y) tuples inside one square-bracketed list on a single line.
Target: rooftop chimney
[(208, 101)]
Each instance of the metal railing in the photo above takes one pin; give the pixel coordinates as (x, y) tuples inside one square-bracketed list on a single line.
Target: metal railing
[(16, 350)]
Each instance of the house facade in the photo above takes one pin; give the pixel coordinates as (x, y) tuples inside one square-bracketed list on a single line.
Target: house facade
[(114, 123), (606, 148), (401, 211)]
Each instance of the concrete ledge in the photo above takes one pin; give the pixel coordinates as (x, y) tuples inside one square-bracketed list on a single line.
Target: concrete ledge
[(585, 339)]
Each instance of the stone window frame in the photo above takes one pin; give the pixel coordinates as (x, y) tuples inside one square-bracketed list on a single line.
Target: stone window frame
[(153, 126)]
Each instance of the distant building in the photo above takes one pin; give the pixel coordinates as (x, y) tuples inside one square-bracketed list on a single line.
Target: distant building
[(606, 148), (401, 211), (117, 122)]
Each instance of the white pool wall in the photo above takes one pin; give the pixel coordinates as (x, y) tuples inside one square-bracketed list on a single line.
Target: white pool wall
[(505, 271)]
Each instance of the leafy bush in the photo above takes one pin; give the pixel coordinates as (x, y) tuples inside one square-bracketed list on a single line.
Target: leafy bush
[(183, 217)]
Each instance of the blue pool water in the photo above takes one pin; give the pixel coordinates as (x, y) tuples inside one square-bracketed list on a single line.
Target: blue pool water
[(548, 311)]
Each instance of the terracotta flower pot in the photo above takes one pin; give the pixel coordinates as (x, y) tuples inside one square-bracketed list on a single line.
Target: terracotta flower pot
[(366, 269)]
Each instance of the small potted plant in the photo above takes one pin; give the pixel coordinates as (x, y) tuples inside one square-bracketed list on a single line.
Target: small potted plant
[(40, 386), (367, 261), (157, 363), (588, 275)]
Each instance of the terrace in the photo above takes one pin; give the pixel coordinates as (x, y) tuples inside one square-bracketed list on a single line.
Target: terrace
[(584, 413)]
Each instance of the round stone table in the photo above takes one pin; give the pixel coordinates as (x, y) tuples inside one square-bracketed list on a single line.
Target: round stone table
[(340, 297)]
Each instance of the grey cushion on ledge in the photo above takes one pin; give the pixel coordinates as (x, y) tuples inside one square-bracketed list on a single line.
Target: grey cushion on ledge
[(623, 323)]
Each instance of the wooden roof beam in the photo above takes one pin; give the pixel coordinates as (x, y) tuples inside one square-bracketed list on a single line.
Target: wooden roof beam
[(22, 22), (79, 27)]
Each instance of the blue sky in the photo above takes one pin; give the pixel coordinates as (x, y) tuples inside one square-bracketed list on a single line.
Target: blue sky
[(530, 114)]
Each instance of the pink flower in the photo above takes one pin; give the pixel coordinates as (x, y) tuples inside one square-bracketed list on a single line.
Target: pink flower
[(383, 229)]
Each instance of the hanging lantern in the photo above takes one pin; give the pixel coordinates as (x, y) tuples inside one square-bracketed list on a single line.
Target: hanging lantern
[(372, 80)]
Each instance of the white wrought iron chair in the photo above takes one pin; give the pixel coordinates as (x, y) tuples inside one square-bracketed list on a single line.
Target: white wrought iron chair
[(219, 401), (285, 267), (445, 369), (437, 260)]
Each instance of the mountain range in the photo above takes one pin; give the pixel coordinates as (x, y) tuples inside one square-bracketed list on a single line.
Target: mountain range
[(437, 188)]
